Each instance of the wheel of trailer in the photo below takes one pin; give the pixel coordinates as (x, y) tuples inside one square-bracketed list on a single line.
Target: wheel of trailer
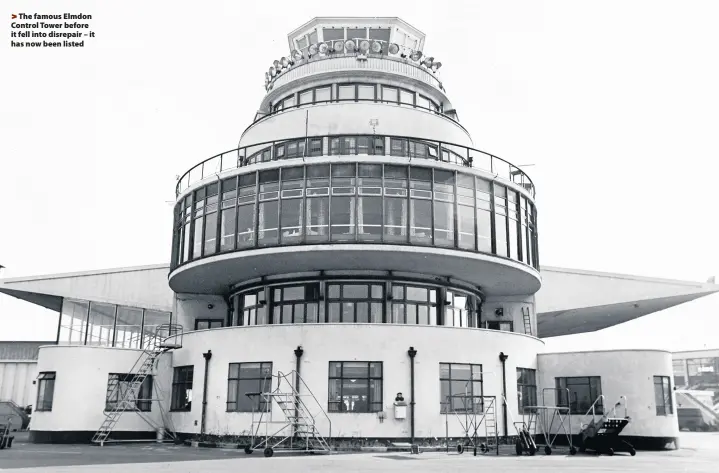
[(483, 448), (610, 452), (547, 450), (518, 447), (269, 452), (572, 451), (532, 450), (632, 452), (460, 448), (248, 450)]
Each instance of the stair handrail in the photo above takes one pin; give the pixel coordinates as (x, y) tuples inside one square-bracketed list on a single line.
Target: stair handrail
[(613, 412), (300, 401), (592, 409)]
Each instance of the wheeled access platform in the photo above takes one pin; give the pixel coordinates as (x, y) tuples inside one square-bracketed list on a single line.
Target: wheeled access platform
[(602, 435)]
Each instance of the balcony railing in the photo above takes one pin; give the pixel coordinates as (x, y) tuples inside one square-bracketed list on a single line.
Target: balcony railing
[(338, 62), (385, 145)]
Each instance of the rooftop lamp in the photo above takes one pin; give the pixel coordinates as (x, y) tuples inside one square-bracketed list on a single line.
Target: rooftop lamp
[(416, 56), (376, 47), (297, 55), (338, 46), (324, 48), (312, 50), (350, 45), (393, 48), (285, 62), (364, 46)]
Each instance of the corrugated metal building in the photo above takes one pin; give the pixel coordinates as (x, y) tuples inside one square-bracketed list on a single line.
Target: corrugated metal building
[(18, 369)]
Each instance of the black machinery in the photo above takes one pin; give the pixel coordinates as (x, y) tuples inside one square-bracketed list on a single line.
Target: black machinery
[(602, 435)]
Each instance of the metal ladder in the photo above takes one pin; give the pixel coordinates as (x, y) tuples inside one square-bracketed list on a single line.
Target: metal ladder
[(490, 427), (526, 315), (298, 431), (143, 367)]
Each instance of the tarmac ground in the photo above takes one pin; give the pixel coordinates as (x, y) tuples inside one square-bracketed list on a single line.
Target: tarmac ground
[(698, 453)]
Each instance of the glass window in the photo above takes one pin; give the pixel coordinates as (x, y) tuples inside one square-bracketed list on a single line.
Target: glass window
[(406, 97), (313, 37), (245, 384), (355, 386), (663, 396), (356, 33), (73, 326), (497, 325), (369, 217), (288, 102), (253, 308), (305, 97), (365, 92), (323, 94), (182, 388), (124, 395), (500, 219), (413, 305), (346, 92), (422, 102), (45, 391), (396, 212), (102, 323), (332, 34), (381, 34), (342, 217), (526, 388), (583, 393), (302, 43), (390, 94), (227, 222), (461, 388), (460, 310), (355, 303)]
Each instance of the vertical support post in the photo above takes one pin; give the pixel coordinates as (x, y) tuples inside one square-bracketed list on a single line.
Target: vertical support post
[(412, 353), (298, 356), (207, 356), (503, 359)]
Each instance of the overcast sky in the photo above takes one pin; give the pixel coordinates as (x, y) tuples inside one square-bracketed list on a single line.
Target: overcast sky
[(613, 102)]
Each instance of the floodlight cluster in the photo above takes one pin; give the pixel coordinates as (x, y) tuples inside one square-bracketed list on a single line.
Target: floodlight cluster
[(360, 47)]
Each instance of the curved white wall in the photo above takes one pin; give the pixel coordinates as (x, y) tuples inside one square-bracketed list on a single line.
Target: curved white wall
[(348, 342), (81, 388), (624, 373), (353, 118)]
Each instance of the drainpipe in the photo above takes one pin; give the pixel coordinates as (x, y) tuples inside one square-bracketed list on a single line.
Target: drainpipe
[(298, 355), (207, 357), (503, 359), (412, 353)]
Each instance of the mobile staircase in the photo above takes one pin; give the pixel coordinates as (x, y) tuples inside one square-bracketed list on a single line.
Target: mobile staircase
[(548, 421), (297, 430), (602, 434), (476, 415), (166, 337)]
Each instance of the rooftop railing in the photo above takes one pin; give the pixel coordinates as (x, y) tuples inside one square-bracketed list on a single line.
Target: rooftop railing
[(361, 145)]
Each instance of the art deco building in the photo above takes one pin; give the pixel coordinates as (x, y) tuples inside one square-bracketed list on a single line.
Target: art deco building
[(359, 236)]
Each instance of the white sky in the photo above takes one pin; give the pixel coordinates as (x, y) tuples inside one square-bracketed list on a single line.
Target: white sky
[(614, 102)]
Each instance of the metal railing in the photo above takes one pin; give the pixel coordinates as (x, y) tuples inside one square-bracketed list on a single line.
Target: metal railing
[(412, 148)]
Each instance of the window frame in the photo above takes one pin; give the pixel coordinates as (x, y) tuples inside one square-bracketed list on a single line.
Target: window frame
[(444, 404), (45, 384), (522, 403), (181, 386), (372, 405), (666, 396), (209, 323), (598, 407), (264, 406), (142, 404)]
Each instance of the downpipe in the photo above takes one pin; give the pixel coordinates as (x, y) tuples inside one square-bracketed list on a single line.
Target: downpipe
[(207, 356), (412, 353), (503, 359), (298, 356)]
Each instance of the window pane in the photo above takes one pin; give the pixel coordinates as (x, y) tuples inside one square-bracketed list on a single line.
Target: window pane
[(421, 221), (317, 219), (406, 97), (389, 94), (354, 291), (369, 223), (268, 216), (291, 220), (365, 92), (443, 224), (346, 92), (245, 226), (323, 94), (306, 97), (343, 218), (465, 220), (395, 219)]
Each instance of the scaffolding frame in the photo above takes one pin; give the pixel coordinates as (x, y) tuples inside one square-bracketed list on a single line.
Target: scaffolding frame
[(543, 418), (473, 419)]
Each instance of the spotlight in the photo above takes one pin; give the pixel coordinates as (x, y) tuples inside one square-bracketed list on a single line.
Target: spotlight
[(267, 77), (416, 56), (364, 46), (297, 55), (350, 45), (285, 62), (376, 47), (393, 48), (277, 65), (436, 66), (272, 71), (324, 48), (312, 50), (428, 62), (338, 46)]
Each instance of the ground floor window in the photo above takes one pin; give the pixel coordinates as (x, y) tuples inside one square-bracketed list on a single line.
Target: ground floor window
[(582, 392), (245, 384), (526, 388), (182, 388), (45, 391), (663, 396), (461, 388), (355, 386), (123, 392)]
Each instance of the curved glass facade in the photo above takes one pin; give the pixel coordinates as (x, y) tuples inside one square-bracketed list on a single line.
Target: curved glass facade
[(355, 203), (390, 301)]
